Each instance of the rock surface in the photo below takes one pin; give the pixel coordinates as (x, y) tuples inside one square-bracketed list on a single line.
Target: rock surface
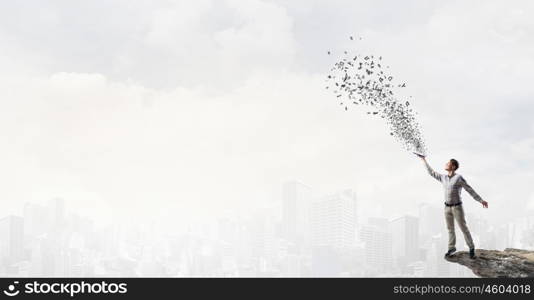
[(511, 262)]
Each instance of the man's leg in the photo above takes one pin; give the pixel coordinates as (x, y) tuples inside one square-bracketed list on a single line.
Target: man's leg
[(459, 215), (449, 219)]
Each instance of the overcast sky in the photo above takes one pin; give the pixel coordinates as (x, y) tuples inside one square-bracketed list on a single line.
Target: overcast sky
[(185, 109)]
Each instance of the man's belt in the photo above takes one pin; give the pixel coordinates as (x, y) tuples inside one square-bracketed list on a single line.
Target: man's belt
[(454, 204)]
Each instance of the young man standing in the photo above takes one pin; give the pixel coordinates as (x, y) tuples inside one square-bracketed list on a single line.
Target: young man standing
[(452, 185)]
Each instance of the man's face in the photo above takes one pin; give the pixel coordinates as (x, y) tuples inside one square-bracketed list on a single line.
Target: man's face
[(449, 166)]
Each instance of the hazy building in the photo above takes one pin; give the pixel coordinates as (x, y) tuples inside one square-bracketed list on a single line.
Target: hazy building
[(333, 227), (40, 219), (334, 220), (431, 220), (378, 247), (35, 219), (437, 266), (296, 201), (405, 239), (503, 240), (326, 261), (378, 222), (56, 212), (11, 239), (261, 231)]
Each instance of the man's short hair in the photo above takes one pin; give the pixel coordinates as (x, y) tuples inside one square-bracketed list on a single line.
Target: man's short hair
[(455, 163)]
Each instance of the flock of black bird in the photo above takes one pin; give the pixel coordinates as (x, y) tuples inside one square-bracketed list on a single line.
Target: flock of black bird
[(364, 80)]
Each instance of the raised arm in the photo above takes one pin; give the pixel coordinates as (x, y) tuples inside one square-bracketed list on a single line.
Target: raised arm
[(470, 190), (431, 171)]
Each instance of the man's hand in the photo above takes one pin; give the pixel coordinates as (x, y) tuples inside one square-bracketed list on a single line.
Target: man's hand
[(484, 204)]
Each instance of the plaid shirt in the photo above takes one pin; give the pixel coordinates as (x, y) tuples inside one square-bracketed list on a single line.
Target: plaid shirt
[(453, 186)]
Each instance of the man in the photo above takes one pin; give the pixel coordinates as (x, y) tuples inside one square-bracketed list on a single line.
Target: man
[(452, 185)]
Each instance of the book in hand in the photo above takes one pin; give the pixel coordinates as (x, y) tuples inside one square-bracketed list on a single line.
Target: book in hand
[(419, 154)]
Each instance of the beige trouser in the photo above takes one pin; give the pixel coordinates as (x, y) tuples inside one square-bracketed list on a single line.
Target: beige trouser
[(457, 212)]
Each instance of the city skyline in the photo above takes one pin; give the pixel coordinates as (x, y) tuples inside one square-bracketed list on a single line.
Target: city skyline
[(331, 240)]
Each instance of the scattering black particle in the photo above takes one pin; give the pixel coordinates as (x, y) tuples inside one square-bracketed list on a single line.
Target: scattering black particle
[(363, 81)]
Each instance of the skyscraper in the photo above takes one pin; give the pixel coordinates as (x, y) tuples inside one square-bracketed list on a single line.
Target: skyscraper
[(296, 200), (333, 226), (378, 247), (405, 238), (56, 212), (35, 220), (431, 221), (11, 239), (436, 265), (334, 220)]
